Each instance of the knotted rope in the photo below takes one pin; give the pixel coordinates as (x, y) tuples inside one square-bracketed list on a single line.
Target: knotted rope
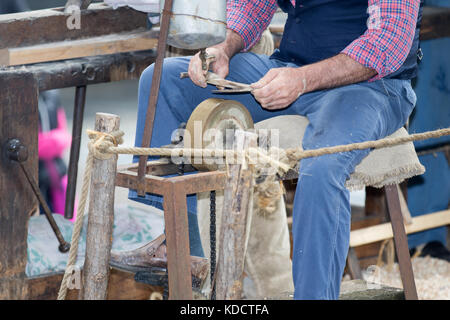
[(288, 157), (103, 145), (99, 141)]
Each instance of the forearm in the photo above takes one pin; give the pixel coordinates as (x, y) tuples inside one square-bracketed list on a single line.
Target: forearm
[(232, 44), (282, 86), (334, 72)]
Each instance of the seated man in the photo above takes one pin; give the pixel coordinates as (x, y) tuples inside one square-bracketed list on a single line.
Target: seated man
[(349, 75)]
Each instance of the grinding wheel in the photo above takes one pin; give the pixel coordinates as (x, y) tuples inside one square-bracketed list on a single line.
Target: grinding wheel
[(218, 114)]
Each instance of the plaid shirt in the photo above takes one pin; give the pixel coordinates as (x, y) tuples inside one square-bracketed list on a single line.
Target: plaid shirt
[(383, 47)]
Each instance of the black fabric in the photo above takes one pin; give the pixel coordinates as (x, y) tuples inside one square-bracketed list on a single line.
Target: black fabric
[(319, 29)]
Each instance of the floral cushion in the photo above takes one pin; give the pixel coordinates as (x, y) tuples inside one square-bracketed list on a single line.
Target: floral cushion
[(133, 227)]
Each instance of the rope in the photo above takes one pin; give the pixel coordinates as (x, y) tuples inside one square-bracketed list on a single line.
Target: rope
[(77, 227), (98, 140), (103, 145)]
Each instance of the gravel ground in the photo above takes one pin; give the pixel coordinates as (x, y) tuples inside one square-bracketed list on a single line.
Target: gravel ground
[(432, 277)]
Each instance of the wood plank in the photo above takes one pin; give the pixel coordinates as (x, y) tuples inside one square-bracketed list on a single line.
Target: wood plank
[(121, 287), (160, 167), (18, 119), (109, 44), (177, 241), (50, 25), (401, 242), (384, 231), (85, 71)]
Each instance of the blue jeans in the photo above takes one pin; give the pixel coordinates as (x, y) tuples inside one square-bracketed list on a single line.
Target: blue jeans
[(321, 218)]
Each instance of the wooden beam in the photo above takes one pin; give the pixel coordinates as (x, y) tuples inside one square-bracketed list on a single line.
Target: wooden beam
[(85, 71), (50, 25), (63, 50), (384, 231), (177, 241), (122, 286), (18, 119)]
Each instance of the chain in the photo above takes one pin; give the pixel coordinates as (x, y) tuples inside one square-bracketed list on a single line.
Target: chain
[(212, 239)]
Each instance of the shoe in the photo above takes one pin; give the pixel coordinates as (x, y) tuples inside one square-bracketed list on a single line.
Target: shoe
[(154, 255), (434, 249)]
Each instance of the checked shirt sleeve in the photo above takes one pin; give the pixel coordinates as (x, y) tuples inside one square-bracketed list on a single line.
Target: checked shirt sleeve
[(389, 36), (249, 18)]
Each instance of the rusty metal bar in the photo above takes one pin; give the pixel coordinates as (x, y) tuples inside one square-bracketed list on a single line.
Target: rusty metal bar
[(154, 91), (192, 183), (78, 113), (16, 151)]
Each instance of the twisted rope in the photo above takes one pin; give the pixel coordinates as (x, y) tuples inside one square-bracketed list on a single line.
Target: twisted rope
[(99, 140), (290, 155), (103, 145)]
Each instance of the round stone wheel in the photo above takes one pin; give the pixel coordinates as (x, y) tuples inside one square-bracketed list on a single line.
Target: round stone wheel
[(212, 125)]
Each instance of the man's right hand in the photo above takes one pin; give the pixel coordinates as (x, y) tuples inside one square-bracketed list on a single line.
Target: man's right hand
[(219, 65)]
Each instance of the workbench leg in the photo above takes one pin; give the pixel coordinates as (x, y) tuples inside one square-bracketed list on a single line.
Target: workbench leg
[(401, 242), (18, 119), (100, 219), (78, 113), (177, 241)]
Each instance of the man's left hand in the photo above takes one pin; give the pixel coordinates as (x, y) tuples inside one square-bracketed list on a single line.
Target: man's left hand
[(279, 87)]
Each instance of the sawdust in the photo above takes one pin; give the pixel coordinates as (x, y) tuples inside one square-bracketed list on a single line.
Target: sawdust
[(432, 277)]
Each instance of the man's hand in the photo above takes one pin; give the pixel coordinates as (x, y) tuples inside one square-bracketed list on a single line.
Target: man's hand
[(279, 87), (282, 86), (219, 65)]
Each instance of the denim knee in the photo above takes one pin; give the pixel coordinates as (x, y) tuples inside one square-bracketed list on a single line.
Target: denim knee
[(319, 172)]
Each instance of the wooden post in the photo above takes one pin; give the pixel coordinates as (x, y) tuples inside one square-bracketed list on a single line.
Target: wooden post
[(177, 240), (100, 219), (233, 235), (401, 242), (18, 119)]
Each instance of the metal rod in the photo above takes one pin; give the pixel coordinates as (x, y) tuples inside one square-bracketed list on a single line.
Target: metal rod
[(18, 152), (154, 91), (63, 245), (78, 113)]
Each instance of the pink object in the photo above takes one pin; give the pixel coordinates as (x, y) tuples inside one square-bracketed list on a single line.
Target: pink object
[(59, 199), (53, 143)]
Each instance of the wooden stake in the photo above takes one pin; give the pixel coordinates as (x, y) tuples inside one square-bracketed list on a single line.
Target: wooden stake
[(233, 234), (100, 219)]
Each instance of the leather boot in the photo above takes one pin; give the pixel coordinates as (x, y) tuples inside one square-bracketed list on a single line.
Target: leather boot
[(154, 255)]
